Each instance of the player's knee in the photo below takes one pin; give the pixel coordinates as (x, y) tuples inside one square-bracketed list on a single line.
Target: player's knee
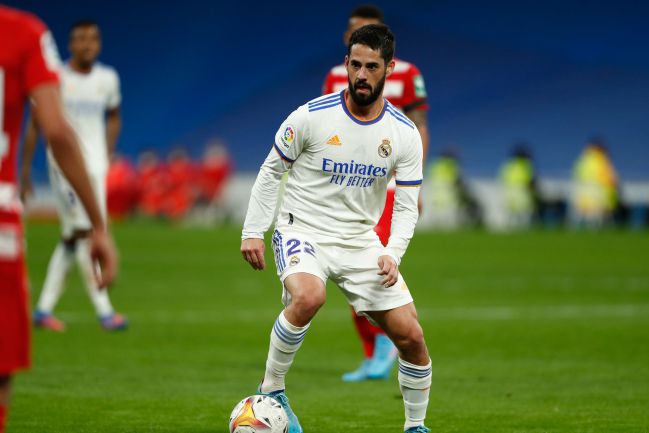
[(411, 339), (310, 300)]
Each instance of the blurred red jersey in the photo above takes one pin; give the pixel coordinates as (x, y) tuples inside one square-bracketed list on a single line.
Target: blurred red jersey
[(404, 88), (28, 58)]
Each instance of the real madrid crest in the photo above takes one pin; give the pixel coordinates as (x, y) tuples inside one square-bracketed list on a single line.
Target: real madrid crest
[(294, 261), (385, 149)]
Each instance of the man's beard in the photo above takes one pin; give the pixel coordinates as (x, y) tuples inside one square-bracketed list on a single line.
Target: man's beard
[(365, 100)]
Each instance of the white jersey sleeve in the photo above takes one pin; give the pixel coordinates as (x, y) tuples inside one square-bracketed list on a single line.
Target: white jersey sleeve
[(408, 176), (290, 141), (115, 94)]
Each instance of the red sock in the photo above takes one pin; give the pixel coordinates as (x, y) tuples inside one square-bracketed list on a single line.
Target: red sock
[(367, 332), (3, 417)]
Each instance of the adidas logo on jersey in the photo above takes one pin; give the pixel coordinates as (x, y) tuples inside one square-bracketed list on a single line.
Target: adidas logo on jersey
[(335, 141)]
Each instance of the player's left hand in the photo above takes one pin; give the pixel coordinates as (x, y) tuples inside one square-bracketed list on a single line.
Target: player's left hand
[(389, 268)]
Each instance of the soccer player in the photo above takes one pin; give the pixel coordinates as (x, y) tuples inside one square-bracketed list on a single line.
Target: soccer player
[(342, 149), (405, 90), (91, 96), (28, 63)]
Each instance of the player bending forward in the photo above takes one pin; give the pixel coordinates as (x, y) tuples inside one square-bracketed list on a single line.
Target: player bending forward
[(342, 149)]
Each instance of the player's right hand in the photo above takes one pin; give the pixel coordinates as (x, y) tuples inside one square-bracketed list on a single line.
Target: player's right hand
[(253, 252), (102, 252)]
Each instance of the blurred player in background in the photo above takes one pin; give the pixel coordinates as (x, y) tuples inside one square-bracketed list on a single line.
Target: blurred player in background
[(28, 69), (405, 89), (91, 96)]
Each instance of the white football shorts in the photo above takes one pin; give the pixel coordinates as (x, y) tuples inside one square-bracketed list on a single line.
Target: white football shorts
[(354, 269), (72, 215)]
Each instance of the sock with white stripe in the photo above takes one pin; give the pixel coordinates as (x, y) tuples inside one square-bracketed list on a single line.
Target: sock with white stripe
[(414, 381), (57, 270), (285, 340)]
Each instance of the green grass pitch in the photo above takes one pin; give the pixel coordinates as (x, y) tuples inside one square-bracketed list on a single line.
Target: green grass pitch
[(536, 332)]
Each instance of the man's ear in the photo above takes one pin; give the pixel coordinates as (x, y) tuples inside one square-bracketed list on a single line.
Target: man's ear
[(390, 67)]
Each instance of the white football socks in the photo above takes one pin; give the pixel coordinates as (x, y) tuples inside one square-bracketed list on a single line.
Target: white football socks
[(98, 296), (285, 340), (414, 381), (58, 268)]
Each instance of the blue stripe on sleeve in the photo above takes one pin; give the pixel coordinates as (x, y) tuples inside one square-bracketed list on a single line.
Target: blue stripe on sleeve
[(284, 157), (409, 182)]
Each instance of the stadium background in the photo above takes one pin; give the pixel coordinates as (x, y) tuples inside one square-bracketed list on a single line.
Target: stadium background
[(535, 331), (553, 73)]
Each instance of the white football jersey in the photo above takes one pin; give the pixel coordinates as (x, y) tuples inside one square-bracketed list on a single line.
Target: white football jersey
[(340, 167), (86, 98)]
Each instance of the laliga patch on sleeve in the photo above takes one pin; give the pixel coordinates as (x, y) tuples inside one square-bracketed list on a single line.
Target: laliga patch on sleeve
[(287, 136), (9, 243)]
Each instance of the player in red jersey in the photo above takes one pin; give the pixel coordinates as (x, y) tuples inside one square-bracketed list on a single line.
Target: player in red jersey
[(28, 65), (405, 89)]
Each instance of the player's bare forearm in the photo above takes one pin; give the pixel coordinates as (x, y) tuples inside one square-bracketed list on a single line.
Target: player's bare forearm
[(113, 129), (64, 145), (29, 148), (389, 268), (252, 250), (65, 148)]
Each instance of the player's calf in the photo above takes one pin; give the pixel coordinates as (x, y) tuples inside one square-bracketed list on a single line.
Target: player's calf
[(403, 328)]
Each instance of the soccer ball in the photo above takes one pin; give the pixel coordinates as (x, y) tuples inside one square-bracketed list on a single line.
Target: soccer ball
[(258, 414)]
